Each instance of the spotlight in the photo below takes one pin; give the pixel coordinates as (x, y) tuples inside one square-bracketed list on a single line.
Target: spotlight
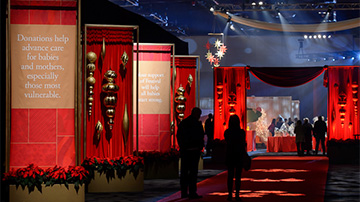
[(315, 36), (253, 3), (330, 9), (319, 36), (261, 3), (232, 26), (310, 37), (305, 36), (293, 15), (227, 13), (229, 19), (324, 59), (324, 36), (333, 59), (343, 57), (277, 10), (352, 58), (329, 36), (212, 9)]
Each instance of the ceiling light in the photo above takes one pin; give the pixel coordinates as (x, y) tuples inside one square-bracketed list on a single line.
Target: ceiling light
[(324, 36), (315, 36), (261, 3), (305, 36), (253, 3), (310, 37), (329, 36), (319, 36), (212, 9)]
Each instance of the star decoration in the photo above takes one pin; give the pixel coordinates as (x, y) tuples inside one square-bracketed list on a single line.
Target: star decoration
[(223, 49), (220, 54), (207, 46), (211, 59), (216, 62), (218, 43), (208, 54)]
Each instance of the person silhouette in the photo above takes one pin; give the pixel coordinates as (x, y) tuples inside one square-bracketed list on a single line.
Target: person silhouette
[(190, 137), (319, 134), (209, 131), (235, 150)]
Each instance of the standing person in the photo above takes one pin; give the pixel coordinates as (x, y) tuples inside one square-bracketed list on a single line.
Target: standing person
[(190, 137), (290, 122), (308, 136), (319, 134), (209, 131), (235, 148), (271, 128), (300, 137)]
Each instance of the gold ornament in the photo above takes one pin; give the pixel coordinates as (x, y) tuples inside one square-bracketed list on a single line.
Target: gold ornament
[(98, 129), (110, 100), (103, 50), (180, 100), (190, 80), (124, 59), (125, 125), (91, 56)]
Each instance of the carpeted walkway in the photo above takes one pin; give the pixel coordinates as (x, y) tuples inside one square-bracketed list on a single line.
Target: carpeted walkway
[(271, 178)]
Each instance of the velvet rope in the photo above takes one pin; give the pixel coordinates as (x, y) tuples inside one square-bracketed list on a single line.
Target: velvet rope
[(286, 77)]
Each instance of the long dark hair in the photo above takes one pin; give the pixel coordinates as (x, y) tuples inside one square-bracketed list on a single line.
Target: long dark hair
[(234, 122)]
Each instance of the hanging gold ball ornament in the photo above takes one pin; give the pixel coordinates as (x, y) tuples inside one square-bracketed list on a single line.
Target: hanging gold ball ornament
[(91, 56), (91, 80)]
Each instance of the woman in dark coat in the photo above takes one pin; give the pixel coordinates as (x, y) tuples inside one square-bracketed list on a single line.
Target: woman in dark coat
[(235, 148)]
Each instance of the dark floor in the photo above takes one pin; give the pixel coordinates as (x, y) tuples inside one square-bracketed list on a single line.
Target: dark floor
[(343, 184)]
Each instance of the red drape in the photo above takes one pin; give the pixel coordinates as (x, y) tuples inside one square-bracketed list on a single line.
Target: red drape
[(229, 97), (185, 66), (115, 142), (343, 104), (286, 77)]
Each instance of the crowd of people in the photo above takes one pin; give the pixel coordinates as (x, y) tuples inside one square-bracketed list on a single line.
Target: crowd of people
[(304, 131)]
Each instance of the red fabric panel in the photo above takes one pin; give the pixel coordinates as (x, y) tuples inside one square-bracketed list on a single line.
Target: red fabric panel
[(343, 88), (286, 77), (250, 140), (66, 121), (35, 133), (19, 16), (281, 144), (39, 154), (65, 150), (184, 67), (19, 125), (165, 142), (230, 82), (112, 142), (42, 126), (153, 53), (44, 3)]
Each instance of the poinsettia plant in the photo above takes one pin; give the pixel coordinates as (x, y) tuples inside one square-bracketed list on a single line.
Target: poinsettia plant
[(33, 176), (108, 166), (158, 156)]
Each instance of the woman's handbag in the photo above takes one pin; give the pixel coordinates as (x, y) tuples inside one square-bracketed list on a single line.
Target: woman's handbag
[(247, 161)]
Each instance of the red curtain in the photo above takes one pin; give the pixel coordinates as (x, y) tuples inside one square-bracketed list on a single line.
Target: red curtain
[(229, 97), (343, 104), (286, 77), (185, 66), (115, 142)]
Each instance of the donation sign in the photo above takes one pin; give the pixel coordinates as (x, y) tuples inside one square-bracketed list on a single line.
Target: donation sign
[(43, 66), (154, 87)]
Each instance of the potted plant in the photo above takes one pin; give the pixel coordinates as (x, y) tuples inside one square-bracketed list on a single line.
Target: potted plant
[(120, 174), (161, 165), (55, 183)]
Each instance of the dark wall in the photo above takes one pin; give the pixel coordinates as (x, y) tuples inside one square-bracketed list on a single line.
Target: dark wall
[(107, 13), (4, 190)]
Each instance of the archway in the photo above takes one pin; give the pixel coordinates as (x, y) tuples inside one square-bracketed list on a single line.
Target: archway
[(230, 85)]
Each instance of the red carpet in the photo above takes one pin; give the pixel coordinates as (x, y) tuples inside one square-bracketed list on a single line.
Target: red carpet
[(272, 178)]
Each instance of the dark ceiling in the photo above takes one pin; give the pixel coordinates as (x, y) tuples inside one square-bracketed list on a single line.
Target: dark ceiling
[(190, 18)]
